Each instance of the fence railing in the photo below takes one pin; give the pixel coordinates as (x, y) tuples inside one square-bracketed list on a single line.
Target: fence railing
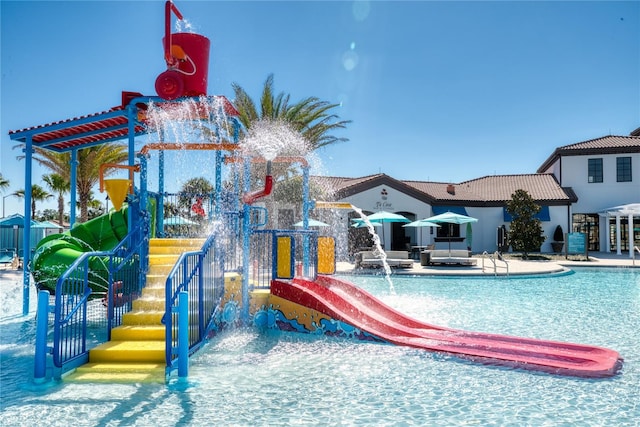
[(200, 274), (91, 297), (299, 255)]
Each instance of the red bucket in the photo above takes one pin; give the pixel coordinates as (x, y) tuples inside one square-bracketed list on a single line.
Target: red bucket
[(189, 76)]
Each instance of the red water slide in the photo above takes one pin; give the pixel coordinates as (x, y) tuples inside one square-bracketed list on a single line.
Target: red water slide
[(344, 301)]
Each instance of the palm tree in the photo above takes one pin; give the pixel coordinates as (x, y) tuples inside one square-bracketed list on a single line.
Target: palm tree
[(38, 194), (61, 186), (311, 116), (88, 171), (198, 188), (4, 183)]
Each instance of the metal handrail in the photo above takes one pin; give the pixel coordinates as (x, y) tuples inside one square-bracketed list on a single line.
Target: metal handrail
[(72, 309), (200, 275), (492, 257)]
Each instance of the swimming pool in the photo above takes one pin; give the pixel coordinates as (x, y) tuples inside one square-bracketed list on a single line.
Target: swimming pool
[(247, 377)]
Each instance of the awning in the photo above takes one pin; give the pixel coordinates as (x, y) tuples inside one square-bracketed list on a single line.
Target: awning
[(543, 215), (460, 210), (622, 210), (107, 126), (15, 220)]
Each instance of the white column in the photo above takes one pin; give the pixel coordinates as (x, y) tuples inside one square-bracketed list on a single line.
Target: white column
[(618, 250), (630, 230), (604, 232)]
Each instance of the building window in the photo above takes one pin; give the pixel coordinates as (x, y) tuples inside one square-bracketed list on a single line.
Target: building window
[(595, 170), (623, 169), (447, 231), (590, 225)]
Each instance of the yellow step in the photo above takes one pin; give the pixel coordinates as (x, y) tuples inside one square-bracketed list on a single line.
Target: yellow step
[(160, 269), (155, 292), (165, 250), (128, 352), (184, 242), (148, 304), (156, 280), (138, 333), (164, 259), (119, 373), (152, 317)]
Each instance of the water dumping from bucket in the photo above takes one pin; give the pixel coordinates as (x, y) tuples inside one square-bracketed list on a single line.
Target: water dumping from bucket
[(269, 139), (200, 119)]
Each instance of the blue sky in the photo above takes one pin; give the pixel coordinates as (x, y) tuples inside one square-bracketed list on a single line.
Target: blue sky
[(439, 91)]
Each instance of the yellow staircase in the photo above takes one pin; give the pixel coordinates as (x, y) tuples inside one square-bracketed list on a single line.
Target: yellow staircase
[(136, 352)]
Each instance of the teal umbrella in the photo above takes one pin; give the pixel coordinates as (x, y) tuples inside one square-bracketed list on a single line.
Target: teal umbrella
[(421, 223), (382, 217), (451, 218), (359, 223), (178, 220), (311, 223)]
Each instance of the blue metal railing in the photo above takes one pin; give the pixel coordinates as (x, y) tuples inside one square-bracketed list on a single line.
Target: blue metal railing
[(83, 315), (200, 275), (263, 252)]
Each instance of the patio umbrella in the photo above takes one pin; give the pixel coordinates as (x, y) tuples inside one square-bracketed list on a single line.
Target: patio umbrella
[(421, 223), (451, 218), (383, 217), (178, 220), (311, 223), (359, 223)]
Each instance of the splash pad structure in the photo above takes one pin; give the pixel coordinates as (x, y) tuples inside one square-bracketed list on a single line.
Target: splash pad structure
[(176, 292)]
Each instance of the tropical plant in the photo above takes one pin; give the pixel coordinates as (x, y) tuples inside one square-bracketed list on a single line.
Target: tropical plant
[(525, 233), (311, 117), (558, 234), (88, 171), (47, 215), (4, 183), (60, 186), (195, 192), (38, 194)]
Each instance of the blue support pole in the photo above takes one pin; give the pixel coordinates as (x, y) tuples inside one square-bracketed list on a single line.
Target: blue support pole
[(144, 195), (42, 317), (183, 334), (218, 190), (305, 220), (74, 184), (132, 115), (160, 217), (26, 235), (246, 244)]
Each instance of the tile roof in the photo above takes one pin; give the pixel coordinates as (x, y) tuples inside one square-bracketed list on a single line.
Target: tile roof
[(486, 191), (610, 144)]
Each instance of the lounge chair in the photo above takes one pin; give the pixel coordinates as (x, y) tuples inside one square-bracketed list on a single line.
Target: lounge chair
[(453, 257), (371, 259)]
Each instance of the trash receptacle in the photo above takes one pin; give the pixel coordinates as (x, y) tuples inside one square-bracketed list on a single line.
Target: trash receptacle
[(425, 258)]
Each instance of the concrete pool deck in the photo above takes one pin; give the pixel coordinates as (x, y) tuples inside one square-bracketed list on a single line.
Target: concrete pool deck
[(516, 266)]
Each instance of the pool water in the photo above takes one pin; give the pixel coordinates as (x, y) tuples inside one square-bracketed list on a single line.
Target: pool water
[(248, 378)]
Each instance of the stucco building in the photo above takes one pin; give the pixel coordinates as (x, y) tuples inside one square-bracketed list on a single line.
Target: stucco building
[(576, 187)]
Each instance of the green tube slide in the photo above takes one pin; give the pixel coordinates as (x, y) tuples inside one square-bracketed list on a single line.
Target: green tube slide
[(55, 253)]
